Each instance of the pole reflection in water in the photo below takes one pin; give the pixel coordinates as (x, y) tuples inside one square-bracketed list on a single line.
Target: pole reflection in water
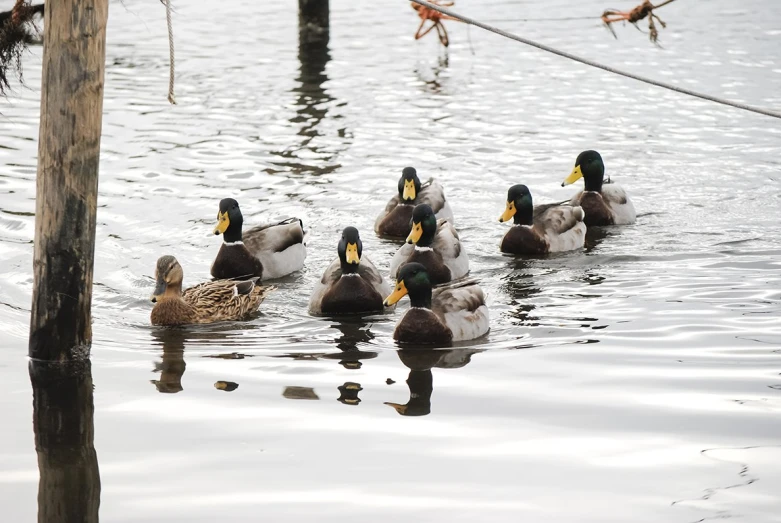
[(421, 381), (69, 486), (312, 104)]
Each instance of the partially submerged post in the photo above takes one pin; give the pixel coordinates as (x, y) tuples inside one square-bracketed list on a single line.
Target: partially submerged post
[(74, 55), (313, 21)]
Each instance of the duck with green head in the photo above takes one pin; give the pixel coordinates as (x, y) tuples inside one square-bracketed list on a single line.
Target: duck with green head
[(207, 302), (542, 229), (454, 312), (603, 202), (394, 221), (434, 244), (267, 251), (351, 284)]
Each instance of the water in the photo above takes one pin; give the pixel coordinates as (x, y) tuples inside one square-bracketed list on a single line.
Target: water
[(635, 380)]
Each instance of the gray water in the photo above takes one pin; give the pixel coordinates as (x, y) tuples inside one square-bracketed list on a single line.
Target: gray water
[(636, 380)]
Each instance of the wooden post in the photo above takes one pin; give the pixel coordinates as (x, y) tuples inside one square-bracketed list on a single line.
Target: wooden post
[(69, 485), (313, 21), (74, 55)]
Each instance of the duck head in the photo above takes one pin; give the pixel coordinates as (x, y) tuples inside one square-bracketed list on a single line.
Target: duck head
[(414, 282), (168, 278), (409, 185), (590, 167), (229, 220), (350, 249), (519, 206), (424, 226)]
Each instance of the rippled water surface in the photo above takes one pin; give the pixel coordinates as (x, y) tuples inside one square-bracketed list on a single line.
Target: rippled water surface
[(637, 380)]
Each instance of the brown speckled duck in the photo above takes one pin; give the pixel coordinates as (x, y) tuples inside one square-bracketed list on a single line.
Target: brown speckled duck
[(208, 302)]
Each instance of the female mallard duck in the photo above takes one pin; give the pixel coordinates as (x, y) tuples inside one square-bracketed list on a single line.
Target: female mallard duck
[(604, 203), (351, 284), (454, 312), (541, 229), (435, 245), (267, 251), (395, 219), (205, 303)]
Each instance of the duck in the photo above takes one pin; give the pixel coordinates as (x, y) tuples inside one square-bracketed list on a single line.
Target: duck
[(435, 244), (542, 229), (207, 302), (394, 221), (448, 313), (604, 202), (267, 251), (351, 284)]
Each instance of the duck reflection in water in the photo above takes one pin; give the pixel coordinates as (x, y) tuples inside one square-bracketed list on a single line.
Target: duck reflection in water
[(313, 104), (172, 365), (348, 393), (354, 332), (63, 408), (421, 381), (520, 286), (172, 341), (596, 235)]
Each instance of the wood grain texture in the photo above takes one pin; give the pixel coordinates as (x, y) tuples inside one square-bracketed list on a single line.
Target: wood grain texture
[(74, 57)]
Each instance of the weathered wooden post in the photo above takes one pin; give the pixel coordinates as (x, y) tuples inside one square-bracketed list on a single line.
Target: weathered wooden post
[(313, 21), (74, 55), (69, 485)]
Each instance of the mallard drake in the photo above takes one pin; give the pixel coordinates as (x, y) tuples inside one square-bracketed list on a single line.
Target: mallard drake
[(605, 203), (453, 312), (394, 221), (435, 244), (268, 251), (541, 229), (208, 302), (351, 284)]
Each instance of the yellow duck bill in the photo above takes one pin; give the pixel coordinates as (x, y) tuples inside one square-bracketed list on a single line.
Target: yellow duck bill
[(352, 254), (223, 222), (415, 233), (573, 177), (398, 293), (508, 213), (409, 190)]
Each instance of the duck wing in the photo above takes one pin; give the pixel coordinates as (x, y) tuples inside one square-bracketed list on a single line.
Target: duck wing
[(557, 219), (274, 237), (448, 245), (454, 297), (432, 193)]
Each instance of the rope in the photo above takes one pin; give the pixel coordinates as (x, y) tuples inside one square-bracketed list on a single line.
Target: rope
[(171, 97), (663, 4), (564, 54)]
